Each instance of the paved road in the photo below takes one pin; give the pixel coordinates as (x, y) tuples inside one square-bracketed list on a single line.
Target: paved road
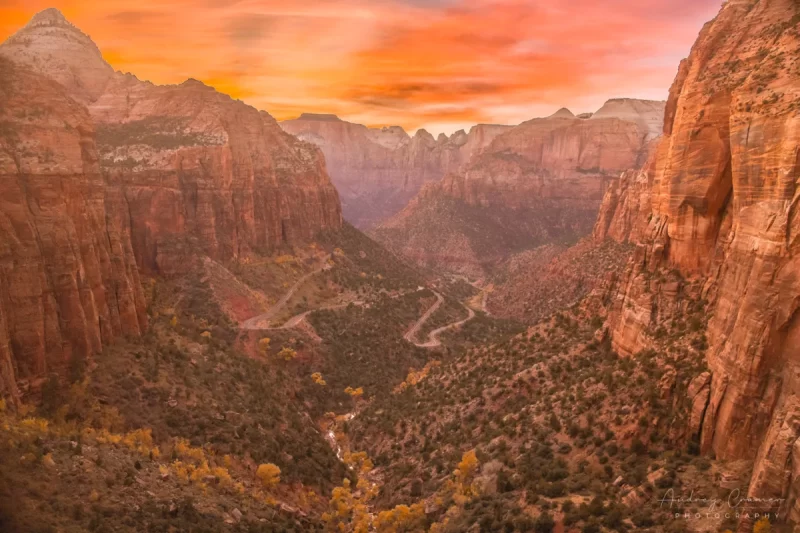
[(262, 321), (433, 336), (412, 332)]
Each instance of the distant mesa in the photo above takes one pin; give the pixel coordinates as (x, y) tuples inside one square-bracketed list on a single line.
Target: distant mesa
[(563, 113), (320, 117), (648, 114), (585, 116)]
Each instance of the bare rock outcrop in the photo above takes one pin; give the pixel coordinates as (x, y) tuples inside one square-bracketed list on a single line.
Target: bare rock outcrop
[(723, 211), (538, 183), (197, 170), (105, 176), (69, 278), (378, 170)]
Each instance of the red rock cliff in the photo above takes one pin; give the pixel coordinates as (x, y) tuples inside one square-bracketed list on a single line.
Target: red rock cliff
[(197, 170), (560, 158), (69, 278), (176, 172), (538, 183), (719, 202), (378, 171)]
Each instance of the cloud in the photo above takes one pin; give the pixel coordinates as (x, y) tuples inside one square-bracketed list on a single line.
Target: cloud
[(412, 62)]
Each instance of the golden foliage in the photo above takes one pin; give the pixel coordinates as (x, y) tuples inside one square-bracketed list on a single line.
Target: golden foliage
[(762, 526), (317, 378), (415, 376), (39, 425), (263, 345), (269, 474), (355, 393), (284, 259), (359, 461), (185, 450), (347, 512), (401, 519), (287, 354)]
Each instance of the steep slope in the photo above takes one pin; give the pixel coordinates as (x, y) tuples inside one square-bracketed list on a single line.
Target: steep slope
[(69, 277), (542, 180), (160, 174), (718, 202), (199, 170), (377, 171), (60, 51), (648, 114)]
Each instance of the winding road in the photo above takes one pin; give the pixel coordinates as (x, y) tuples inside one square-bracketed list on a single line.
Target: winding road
[(412, 332), (262, 321), (433, 337)]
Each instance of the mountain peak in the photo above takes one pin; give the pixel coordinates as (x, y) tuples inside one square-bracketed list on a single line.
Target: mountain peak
[(563, 113), (50, 17), (50, 45), (648, 114)]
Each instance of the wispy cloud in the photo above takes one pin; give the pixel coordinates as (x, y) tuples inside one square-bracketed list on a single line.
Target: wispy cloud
[(417, 63)]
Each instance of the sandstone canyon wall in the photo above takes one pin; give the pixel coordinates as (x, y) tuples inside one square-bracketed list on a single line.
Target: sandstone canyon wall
[(378, 170), (105, 175), (718, 201), (69, 276), (538, 183)]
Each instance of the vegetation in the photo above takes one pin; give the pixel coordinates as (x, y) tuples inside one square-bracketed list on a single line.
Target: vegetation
[(352, 428)]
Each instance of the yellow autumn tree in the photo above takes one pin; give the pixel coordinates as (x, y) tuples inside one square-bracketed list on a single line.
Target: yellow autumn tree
[(287, 354), (762, 526), (317, 378), (269, 474), (465, 489), (346, 512), (358, 461), (401, 519), (263, 345), (355, 393)]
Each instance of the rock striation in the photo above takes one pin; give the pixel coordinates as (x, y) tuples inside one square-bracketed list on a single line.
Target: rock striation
[(105, 176), (378, 170), (718, 201), (538, 183), (69, 277)]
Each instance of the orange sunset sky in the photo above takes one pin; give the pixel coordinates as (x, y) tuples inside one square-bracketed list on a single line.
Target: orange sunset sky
[(438, 64)]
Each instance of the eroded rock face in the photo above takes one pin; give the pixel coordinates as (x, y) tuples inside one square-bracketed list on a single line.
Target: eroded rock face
[(103, 173), (69, 277), (378, 170), (538, 183), (202, 171), (62, 53), (197, 170), (723, 209)]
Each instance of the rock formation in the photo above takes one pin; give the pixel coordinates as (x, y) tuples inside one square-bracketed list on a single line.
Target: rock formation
[(540, 182), (719, 202), (69, 277), (378, 170), (175, 172)]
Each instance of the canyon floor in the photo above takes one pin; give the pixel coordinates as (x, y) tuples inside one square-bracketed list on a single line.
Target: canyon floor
[(435, 414)]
